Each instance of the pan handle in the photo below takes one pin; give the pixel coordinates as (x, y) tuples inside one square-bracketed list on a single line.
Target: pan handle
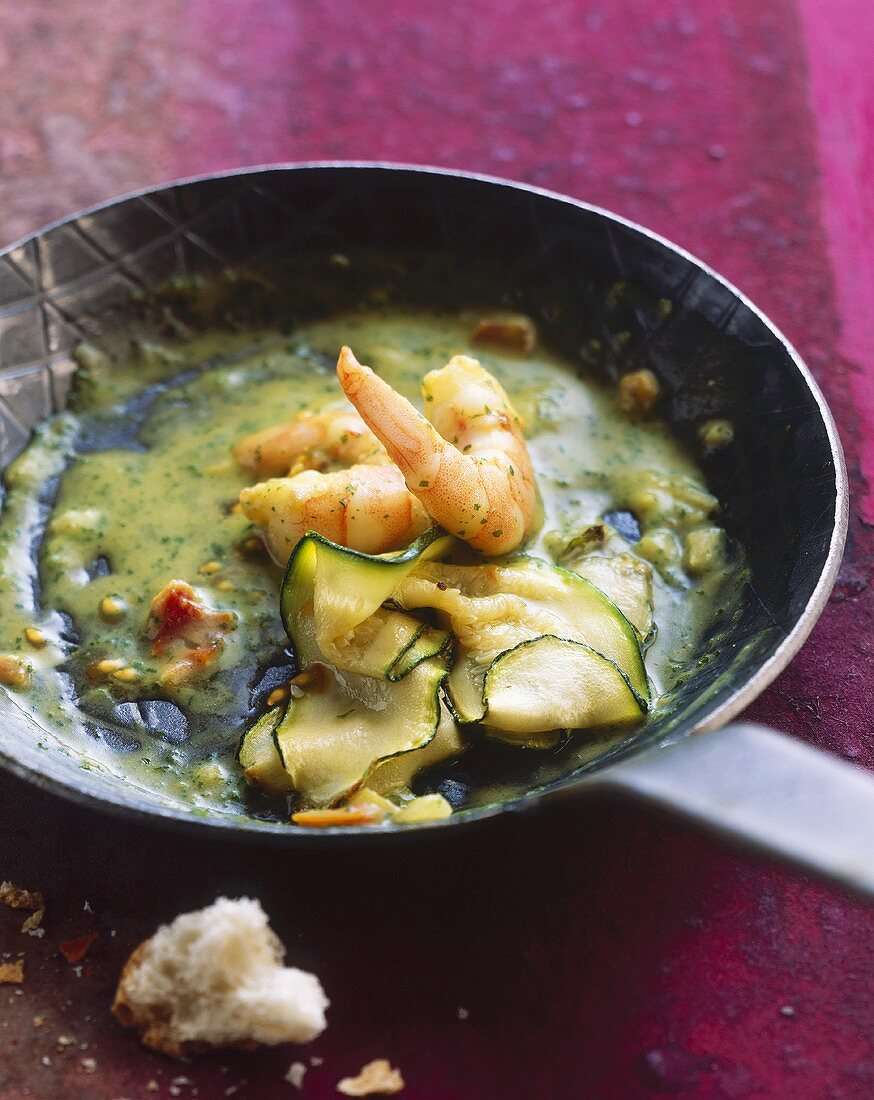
[(766, 790)]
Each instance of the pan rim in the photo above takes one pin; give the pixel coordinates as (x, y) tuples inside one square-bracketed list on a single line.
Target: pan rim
[(259, 831)]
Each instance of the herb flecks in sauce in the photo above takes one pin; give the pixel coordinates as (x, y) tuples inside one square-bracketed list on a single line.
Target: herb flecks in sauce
[(145, 496)]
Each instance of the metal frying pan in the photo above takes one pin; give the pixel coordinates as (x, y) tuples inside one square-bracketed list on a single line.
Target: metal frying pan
[(783, 483)]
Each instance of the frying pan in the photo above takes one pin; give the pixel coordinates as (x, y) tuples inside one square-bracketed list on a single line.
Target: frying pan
[(589, 277)]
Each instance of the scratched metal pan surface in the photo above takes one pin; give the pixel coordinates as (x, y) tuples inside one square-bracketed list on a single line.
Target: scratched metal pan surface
[(587, 276)]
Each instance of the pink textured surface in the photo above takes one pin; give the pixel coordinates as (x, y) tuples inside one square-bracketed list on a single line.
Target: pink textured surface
[(601, 950), (839, 41)]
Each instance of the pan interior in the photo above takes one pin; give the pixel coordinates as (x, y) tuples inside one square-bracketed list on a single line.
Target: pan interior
[(604, 297)]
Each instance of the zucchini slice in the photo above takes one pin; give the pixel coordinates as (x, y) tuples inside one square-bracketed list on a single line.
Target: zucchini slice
[(626, 581), (387, 645), (427, 643), (376, 694), (259, 757), (399, 771), (346, 588), (493, 608), (332, 738), (464, 688), (553, 684), (539, 649)]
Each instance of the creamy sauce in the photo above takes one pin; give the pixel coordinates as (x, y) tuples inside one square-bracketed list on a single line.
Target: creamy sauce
[(145, 488)]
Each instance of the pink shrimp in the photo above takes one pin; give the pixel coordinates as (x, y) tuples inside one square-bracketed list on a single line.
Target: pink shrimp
[(313, 441), (365, 507), (468, 462)]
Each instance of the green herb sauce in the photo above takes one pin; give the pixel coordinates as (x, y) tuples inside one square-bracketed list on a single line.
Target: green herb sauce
[(145, 492)]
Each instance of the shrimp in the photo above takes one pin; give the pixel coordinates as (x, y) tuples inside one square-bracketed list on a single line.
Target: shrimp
[(469, 466), (366, 507), (314, 441)]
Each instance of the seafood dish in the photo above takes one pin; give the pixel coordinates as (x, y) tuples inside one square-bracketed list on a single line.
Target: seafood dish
[(308, 574)]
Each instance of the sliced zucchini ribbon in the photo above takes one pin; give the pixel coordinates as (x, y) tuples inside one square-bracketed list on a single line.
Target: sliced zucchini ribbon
[(523, 648)]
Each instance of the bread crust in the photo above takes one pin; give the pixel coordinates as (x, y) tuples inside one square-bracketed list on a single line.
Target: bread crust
[(157, 1031), (161, 1011)]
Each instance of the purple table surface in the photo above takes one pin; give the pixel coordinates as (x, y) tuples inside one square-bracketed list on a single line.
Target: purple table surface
[(599, 950)]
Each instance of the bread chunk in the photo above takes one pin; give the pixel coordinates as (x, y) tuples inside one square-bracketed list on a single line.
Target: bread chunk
[(18, 898), (214, 978), (376, 1078), (12, 973)]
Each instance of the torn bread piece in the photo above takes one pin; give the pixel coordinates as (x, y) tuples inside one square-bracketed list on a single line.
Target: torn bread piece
[(214, 978), (295, 1074), (12, 973), (31, 925), (16, 897), (377, 1078)]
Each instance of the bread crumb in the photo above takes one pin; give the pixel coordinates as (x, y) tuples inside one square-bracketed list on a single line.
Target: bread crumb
[(152, 1085), (32, 923), (12, 973), (295, 1074), (65, 1041), (377, 1077), (315, 1060), (89, 1065), (18, 898), (462, 1013), (38, 1021), (214, 978)]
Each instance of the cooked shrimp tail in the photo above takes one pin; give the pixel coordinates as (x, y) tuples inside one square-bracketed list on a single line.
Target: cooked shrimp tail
[(467, 462)]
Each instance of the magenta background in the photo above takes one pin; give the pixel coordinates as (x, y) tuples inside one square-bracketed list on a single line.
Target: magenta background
[(602, 950)]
